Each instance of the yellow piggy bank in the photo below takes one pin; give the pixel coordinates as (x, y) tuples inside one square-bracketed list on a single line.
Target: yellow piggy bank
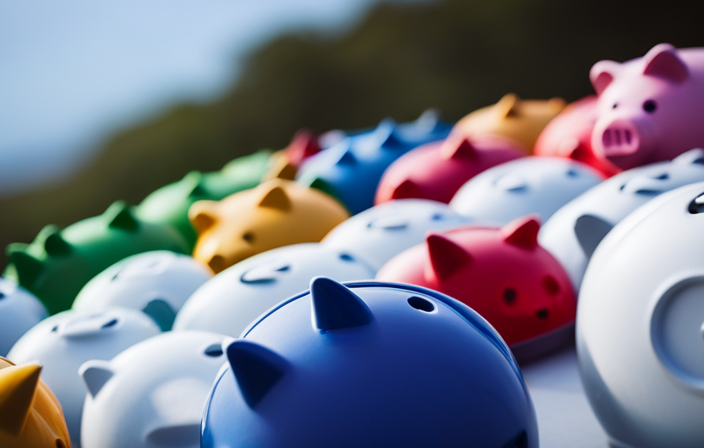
[(276, 213), (30, 415), (519, 120)]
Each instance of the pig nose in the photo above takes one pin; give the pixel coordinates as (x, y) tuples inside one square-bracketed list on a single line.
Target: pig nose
[(217, 263), (620, 138)]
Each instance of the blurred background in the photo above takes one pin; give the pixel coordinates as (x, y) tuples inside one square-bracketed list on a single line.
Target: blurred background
[(111, 100)]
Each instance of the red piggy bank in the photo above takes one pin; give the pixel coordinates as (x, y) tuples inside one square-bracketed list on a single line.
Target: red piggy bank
[(437, 170), (503, 274), (570, 135)]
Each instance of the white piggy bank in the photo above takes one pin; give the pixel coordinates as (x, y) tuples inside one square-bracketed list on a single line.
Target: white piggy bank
[(575, 230), (61, 343), (19, 311), (151, 395), (639, 325), (534, 184), (231, 300), (378, 234), (157, 283)]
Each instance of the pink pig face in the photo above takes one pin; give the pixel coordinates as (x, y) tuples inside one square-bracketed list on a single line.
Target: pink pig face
[(649, 109)]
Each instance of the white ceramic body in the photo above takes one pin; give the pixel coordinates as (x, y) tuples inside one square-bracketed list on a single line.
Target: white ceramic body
[(639, 325), (20, 310), (611, 201), (378, 234), (231, 300), (155, 394), (64, 341), (534, 184), (160, 278)]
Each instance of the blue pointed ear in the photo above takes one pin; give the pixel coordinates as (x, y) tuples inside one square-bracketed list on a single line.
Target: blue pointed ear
[(256, 368), (388, 134), (335, 306), (347, 158)]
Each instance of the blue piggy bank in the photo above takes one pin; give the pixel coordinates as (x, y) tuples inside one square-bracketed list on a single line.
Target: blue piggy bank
[(351, 169), (369, 364)]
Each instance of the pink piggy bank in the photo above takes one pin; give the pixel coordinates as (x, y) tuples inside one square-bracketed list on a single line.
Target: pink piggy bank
[(437, 170), (649, 109)]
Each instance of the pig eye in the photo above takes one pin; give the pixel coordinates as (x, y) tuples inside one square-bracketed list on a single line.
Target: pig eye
[(650, 106), (614, 106), (509, 295), (248, 237)]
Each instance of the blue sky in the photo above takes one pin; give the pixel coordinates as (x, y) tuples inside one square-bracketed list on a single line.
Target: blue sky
[(74, 71)]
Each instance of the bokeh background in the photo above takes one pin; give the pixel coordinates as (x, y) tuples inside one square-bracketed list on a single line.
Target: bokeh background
[(111, 100)]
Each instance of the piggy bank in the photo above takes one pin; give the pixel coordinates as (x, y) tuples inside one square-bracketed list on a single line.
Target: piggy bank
[(569, 135), (649, 108), (57, 264), (639, 325), (502, 274), (236, 297), (274, 214), (30, 416), (19, 311), (351, 366), (573, 232), (378, 234), (436, 171), (351, 169), (169, 205), (63, 342), (157, 283), (152, 394), (512, 118), (513, 189), (303, 146)]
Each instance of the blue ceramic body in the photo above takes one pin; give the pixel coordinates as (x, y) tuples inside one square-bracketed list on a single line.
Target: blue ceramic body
[(409, 367), (351, 169)]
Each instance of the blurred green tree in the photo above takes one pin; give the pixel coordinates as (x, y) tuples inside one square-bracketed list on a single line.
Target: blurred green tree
[(454, 55)]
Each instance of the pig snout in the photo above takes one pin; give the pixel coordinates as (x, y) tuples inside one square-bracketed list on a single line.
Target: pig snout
[(623, 142)]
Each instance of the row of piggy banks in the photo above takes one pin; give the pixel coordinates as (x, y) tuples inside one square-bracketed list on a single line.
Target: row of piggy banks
[(377, 277)]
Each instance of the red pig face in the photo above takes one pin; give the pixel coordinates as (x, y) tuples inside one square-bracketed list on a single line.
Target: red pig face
[(502, 273)]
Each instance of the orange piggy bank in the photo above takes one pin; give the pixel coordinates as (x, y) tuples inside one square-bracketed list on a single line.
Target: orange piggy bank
[(276, 213), (30, 415), (519, 120)]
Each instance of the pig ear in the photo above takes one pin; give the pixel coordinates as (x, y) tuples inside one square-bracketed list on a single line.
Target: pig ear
[(406, 190), (202, 215), (95, 374), (522, 232), (662, 61), (506, 107), (602, 73), (282, 169), (276, 198), (446, 256), (590, 230), (18, 385), (459, 148), (161, 312)]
